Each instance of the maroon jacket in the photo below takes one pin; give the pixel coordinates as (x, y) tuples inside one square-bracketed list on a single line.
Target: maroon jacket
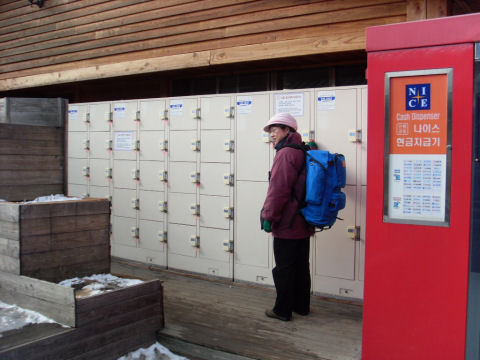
[(285, 187)]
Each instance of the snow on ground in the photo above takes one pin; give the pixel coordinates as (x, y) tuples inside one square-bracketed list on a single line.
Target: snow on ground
[(154, 352), (13, 317), (57, 197), (97, 284)]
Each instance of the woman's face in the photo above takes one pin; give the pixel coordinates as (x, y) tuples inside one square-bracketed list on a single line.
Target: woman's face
[(277, 134)]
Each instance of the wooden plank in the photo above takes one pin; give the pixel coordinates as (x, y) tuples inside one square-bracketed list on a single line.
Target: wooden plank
[(64, 258), (48, 242), (32, 11), (31, 162), (31, 133), (64, 224), (33, 111), (30, 147), (9, 264), (9, 230), (34, 177), (10, 248), (9, 212), (416, 10), (149, 39), (437, 8), (90, 206), (69, 271), (29, 192), (52, 300)]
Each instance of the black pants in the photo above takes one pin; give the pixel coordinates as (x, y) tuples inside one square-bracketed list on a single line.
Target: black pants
[(291, 276)]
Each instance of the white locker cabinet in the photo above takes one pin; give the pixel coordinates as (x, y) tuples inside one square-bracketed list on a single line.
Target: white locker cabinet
[(179, 179), (150, 145), (152, 114), (212, 212), (182, 113), (363, 144), (125, 115), (138, 254), (216, 112), (334, 250), (334, 123), (122, 203), (76, 190), (99, 144), (98, 175), (212, 179), (211, 248), (149, 176), (100, 116), (149, 237), (296, 102), (180, 146), (125, 145), (78, 145), (76, 169), (179, 208), (77, 115), (179, 244), (253, 247), (101, 192), (213, 146), (121, 233), (123, 174), (252, 154), (149, 209)]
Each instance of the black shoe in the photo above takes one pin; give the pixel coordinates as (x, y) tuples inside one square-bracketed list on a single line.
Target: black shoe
[(271, 314), (303, 313)]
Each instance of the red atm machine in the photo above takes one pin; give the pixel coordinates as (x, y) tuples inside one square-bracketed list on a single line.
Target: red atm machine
[(422, 262)]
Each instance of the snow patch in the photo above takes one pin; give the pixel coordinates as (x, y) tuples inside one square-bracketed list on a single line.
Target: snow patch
[(48, 198), (154, 352)]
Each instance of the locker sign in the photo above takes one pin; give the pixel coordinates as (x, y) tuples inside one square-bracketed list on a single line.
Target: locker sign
[(417, 175)]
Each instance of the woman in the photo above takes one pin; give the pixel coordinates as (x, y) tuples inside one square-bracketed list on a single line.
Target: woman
[(291, 234)]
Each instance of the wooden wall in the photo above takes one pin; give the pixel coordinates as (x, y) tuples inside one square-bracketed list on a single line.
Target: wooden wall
[(69, 41)]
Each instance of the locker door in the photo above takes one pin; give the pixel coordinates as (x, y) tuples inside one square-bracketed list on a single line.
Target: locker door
[(125, 115), (98, 176), (122, 203), (149, 179), (215, 112), (77, 115), (99, 143), (149, 209), (179, 208), (333, 124), (180, 146), (121, 233), (123, 173), (101, 192), (216, 261), (297, 103), (99, 117), (77, 143), (179, 179), (124, 143), (150, 243), (150, 145), (182, 113), (212, 212), (76, 190), (211, 179), (253, 247), (212, 143), (75, 171), (252, 115), (152, 114), (179, 244), (334, 251)]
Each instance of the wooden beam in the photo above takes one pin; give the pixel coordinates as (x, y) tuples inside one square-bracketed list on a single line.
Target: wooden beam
[(437, 8), (416, 10)]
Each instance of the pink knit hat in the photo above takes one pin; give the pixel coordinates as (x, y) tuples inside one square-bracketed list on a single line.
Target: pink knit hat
[(281, 119)]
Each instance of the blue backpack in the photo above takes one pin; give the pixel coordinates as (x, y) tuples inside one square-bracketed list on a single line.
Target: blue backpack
[(325, 178)]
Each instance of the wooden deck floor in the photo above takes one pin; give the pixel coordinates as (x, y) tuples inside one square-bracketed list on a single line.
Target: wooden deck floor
[(230, 317)]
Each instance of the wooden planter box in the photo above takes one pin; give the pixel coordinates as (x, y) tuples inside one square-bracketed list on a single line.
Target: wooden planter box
[(56, 240), (106, 325)]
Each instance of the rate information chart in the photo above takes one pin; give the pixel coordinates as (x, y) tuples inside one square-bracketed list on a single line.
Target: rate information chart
[(417, 148)]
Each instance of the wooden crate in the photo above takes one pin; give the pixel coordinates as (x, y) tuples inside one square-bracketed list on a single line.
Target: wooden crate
[(56, 240), (33, 111), (107, 325)]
